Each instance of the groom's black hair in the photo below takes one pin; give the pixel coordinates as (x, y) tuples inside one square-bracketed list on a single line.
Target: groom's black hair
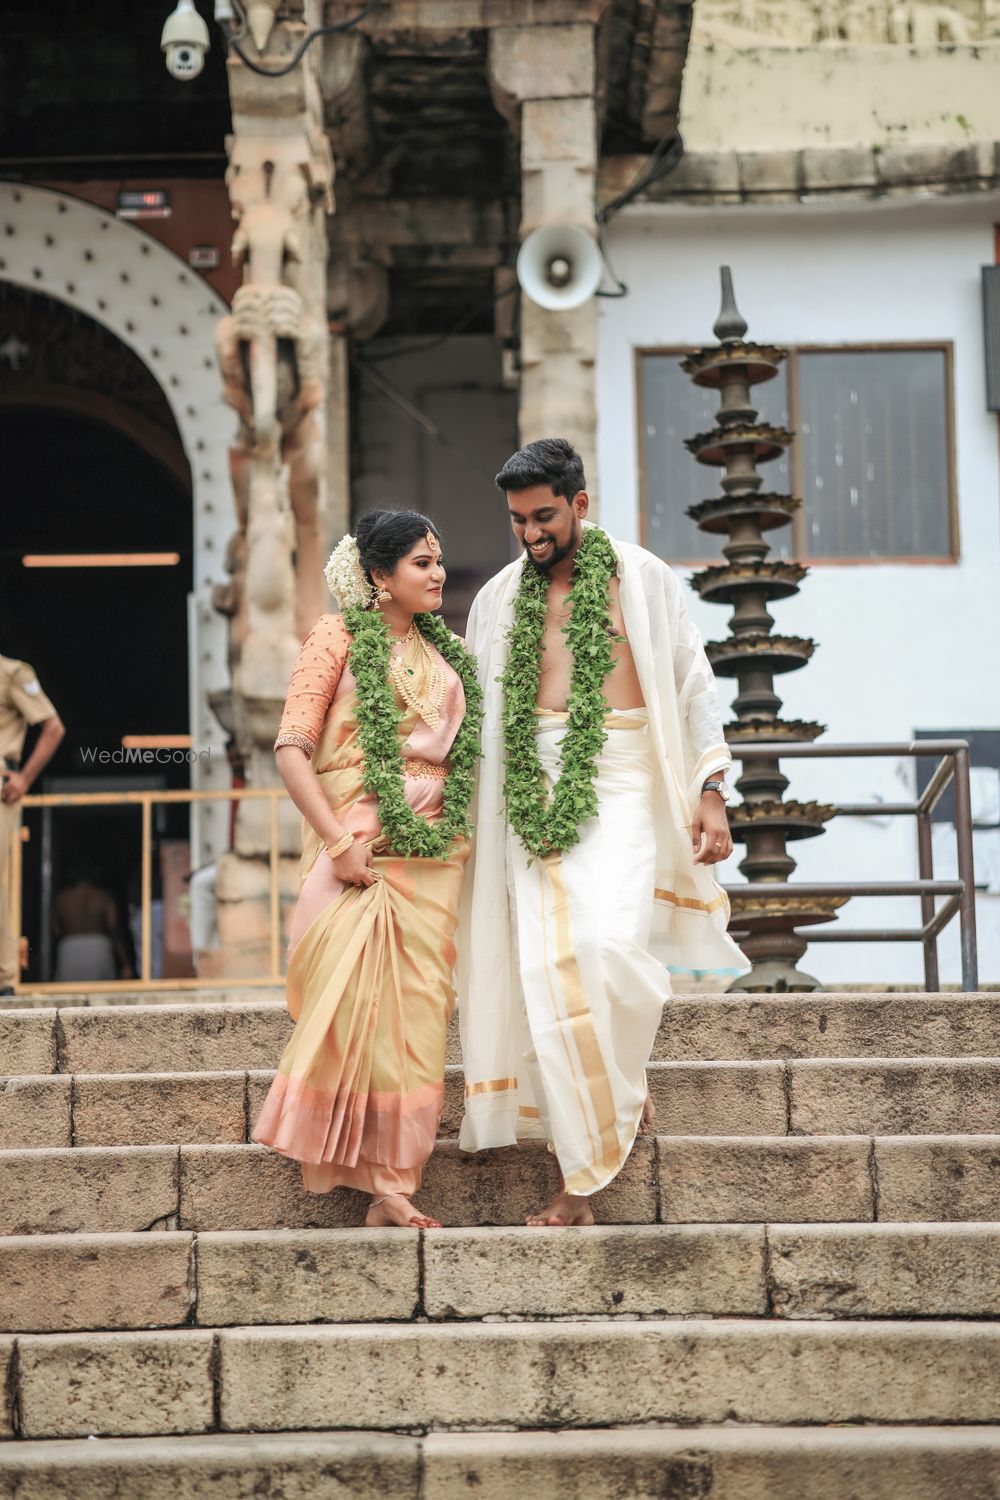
[(551, 461)]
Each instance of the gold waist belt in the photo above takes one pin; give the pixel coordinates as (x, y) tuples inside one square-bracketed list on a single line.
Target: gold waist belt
[(424, 768), (639, 718)]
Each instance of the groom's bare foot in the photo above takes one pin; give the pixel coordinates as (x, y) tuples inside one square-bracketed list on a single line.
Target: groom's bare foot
[(647, 1123), (397, 1212), (564, 1211)]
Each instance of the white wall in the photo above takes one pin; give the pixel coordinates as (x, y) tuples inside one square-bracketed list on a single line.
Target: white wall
[(900, 648)]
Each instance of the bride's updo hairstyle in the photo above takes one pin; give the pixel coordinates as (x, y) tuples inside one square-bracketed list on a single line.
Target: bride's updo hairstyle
[(385, 536)]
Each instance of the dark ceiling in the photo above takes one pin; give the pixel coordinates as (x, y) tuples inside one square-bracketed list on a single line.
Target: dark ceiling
[(84, 91)]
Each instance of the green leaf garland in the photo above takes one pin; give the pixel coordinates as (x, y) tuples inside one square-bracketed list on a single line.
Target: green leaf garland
[(379, 716), (545, 823)]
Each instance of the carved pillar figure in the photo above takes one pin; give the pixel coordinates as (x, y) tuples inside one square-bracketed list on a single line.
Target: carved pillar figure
[(272, 352), (542, 80)]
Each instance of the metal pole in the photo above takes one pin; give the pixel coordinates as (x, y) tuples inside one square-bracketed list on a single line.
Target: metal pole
[(15, 865), (146, 896), (966, 871), (925, 856)]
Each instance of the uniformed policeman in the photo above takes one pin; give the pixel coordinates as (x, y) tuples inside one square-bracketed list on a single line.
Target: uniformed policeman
[(22, 703)]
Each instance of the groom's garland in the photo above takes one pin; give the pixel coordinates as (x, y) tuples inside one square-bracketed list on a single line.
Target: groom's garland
[(378, 718), (544, 824)]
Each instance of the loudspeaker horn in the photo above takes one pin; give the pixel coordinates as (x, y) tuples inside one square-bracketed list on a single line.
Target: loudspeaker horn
[(559, 267)]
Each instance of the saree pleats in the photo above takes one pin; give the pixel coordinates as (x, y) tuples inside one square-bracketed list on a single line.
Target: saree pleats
[(360, 1085)]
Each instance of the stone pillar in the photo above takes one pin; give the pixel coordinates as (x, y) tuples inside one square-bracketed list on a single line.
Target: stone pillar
[(542, 80), (274, 359)]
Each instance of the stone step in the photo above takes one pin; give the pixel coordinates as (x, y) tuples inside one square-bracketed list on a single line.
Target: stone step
[(398, 1377), (713, 1463), (222, 1466), (897, 1096), (71, 1283), (667, 1179), (212, 1035), (726, 1463)]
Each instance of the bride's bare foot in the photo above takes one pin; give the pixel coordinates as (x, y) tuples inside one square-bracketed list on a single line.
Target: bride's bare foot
[(397, 1212), (564, 1210), (647, 1124)]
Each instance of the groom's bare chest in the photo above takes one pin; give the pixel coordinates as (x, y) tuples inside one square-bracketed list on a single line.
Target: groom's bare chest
[(621, 686)]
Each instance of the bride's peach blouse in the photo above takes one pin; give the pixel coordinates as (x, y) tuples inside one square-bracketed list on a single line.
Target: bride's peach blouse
[(321, 677)]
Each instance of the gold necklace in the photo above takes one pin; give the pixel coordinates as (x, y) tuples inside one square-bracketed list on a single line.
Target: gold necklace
[(418, 676)]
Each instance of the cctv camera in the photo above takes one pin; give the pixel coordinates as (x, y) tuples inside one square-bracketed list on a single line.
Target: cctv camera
[(184, 41)]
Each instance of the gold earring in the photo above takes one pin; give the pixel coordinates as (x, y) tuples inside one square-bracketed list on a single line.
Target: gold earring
[(382, 596)]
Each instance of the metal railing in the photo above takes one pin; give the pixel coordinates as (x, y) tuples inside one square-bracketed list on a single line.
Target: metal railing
[(145, 801), (953, 765)]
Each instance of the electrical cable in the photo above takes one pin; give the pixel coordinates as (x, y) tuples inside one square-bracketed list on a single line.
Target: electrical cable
[(234, 38), (662, 160), (467, 317)]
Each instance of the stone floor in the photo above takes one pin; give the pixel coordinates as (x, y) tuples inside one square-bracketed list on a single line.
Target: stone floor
[(793, 1291)]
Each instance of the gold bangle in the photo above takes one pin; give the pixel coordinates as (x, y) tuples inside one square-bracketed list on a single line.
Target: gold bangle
[(341, 847)]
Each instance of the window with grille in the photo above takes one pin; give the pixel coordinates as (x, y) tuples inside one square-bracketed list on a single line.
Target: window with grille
[(872, 459)]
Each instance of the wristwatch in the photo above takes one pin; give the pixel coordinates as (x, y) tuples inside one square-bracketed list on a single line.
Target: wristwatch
[(717, 786)]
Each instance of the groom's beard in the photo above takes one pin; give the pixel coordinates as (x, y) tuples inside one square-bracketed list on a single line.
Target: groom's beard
[(556, 555)]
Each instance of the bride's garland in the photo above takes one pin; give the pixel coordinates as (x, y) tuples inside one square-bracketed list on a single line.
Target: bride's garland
[(546, 824), (378, 718)]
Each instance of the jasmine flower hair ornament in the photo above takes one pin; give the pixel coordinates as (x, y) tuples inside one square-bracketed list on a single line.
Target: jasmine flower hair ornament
[(345, 576)]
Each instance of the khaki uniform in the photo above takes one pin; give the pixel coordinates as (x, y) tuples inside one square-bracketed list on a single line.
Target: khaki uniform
[(22, 703)]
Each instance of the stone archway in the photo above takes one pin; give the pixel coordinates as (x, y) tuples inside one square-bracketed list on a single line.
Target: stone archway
[(166, 314)]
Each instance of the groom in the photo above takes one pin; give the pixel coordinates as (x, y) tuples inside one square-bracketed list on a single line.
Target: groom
[(601, 806)]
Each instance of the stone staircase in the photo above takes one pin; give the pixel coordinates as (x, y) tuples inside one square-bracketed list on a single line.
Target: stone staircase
[(793, 1290)]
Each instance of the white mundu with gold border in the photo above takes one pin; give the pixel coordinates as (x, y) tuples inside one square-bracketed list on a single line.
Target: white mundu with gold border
[(564, 961)]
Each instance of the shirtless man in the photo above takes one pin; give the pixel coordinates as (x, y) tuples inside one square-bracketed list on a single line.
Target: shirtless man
[(574, 918)]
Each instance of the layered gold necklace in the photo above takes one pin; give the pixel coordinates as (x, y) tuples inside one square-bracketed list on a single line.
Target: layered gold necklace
[(418, 676)]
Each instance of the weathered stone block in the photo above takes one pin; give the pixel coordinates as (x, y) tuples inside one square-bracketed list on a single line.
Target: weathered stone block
[(924, 165), (27, 1041), (648, 1270), (713, 1028), (363, 1466), (148, 1109), (561, 193), (175, 1038), (250, 1187), (771, 173), (919, 1096), (885, 1270), (754, 1463), (558, 130), (727, 1098), (116, 1383), (67, 1282), (6, 1384), (504, 1186), (540, 62), (307, 1276), (737, 1180), (566, 337), (699, 174), (586, 1374), (80, 1191), (938, 1177), (838, 169), (35, 1112)]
